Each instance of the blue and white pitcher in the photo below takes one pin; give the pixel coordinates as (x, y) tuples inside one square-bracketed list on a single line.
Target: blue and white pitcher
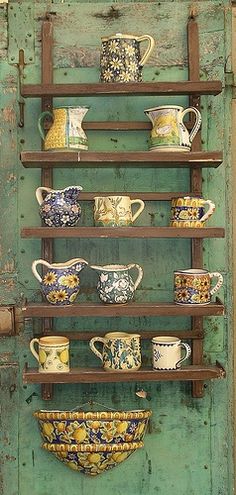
[(115, 285), (59, 208)]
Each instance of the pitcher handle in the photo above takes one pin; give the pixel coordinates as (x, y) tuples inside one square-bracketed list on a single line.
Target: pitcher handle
[(32, 348), (210, 211), (150, 47), (218, 284), (94, 349), (197, 123), (39, 262), (39, 193), (187, 353), (140, 274), (140, 209), (40, 121)]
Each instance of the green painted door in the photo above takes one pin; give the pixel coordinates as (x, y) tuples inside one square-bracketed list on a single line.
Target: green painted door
[(188, 447)]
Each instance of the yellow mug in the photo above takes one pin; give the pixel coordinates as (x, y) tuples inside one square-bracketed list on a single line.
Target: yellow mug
[(52, 355)]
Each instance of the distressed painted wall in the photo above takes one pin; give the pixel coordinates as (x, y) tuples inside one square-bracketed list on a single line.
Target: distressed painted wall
[(188, 448)]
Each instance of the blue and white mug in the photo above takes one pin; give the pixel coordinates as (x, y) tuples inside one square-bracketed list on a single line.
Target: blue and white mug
[(167, 353)]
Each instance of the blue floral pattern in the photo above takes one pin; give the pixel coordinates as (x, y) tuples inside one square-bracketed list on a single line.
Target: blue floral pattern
[(61, 208), (120, 61)]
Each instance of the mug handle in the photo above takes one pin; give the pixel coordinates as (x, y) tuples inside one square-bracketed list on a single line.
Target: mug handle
[(210, 211), (218, 284), (39, 193), (188, 353), (39, 262), (94, 349), (40, 122), (141, 208), (197, 123), (150, 47), (140, 274), (32, 348)]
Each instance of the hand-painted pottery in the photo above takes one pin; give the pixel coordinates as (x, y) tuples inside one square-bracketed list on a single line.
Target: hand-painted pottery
[(121, 351), (72, 436), (93, 461), (189, 212), (115, 285), (193, 286), (120, 57), (60, 284), (115, 211), (167, 353), (59, 208), (169, 132), (66, 132), (53, 355)]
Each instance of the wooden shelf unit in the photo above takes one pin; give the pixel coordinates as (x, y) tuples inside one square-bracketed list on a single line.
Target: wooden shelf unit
[(194, 160), (97, 375), (45, 159)]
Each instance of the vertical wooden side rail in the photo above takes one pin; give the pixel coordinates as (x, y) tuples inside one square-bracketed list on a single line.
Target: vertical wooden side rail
[(47, 173), (196, 189)]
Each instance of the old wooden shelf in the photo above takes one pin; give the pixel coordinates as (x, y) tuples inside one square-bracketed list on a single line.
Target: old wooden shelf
[(46, 310), (197, 159), (119, 89), (98, 375), (116, 232)]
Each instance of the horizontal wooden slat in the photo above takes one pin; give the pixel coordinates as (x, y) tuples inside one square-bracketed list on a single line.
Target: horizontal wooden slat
[(44, 310), (116, 125), (119, 89), (98, 375), (145, 335), (145, 196), (129, 158), (120, 232)]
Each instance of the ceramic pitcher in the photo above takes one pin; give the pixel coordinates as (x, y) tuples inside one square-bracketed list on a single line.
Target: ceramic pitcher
[(60, 284), (189, 212), (193, 286), (169, 132), (167, 353), (121, 60), (53, 354), (115, 211), (121, 351), (66, 132), (115, 285), (59, 208)]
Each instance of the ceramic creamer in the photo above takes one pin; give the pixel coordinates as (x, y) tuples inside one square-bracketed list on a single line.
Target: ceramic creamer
[(167, 353), (59, 208), (60, 283), (121, 351), (66, 132), (193, 286), (190, 212), (169, 132), (121, 60), (115, 285)]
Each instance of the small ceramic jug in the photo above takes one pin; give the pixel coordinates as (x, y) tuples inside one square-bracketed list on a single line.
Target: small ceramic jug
[(193, 286), (115, 211), (121, 351), (60, 284), (120, 57), (189, 212), (59, 208), (169, 132), (115, 285), (66, 132), (167, 353), (53, 355)]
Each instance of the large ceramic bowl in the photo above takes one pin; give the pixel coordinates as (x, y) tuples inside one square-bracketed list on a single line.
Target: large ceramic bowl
[(92, 442)]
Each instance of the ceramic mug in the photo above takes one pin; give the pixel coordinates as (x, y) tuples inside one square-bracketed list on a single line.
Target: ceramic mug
[(115, 211), (189, 212), (193, 286), (121, 351), (167, 353), (52, 355)]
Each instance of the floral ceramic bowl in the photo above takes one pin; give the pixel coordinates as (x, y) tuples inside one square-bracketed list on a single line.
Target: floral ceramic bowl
[(92, 442), (92, 459)]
